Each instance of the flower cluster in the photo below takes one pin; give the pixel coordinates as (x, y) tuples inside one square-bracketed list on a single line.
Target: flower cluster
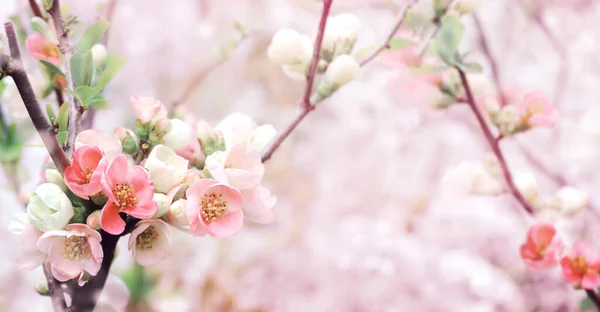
[(294, 53), (165, 173), (544, 249)]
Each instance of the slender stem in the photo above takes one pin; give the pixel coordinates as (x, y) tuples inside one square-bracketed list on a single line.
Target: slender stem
[(66, 48), (493, 63), (386, 44), (35, 8), (494, 144), (55, 290), (594, 298), (283, 135), (59, 96), (16, 71)]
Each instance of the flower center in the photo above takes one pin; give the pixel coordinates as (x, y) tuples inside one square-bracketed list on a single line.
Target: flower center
[(124, 194), (580, 266), (145, 240), (50, 50), (87, 174), (534, 109), (77, 247), (213, 207)]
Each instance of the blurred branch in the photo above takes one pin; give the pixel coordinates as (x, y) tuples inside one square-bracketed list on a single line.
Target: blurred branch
[(386, 44), (494, 144), (305, 105), (593, 298), (493, 63), (66, 48), (14, 68), (199, 76), (35, 8)]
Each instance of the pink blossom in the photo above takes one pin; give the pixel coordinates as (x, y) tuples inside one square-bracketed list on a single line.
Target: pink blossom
[(214, 208), (535, 109), (542, 248), (84, 174), (149, 242), (240, 166), (42, 48), (106, 142), (582, 266), (28, 255), (193, 153), (129, 190), (72, 251), (147, 110), (258, 203)]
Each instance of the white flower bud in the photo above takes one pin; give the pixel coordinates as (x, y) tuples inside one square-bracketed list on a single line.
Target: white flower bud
[(342, 70), (288, 47), (49, 208), (93, 220), (53, 176), (468, 6), (527, 184), (261, 136), (166, 168), (341, 30), (180, 135), (176, 214), (99, 54), (572, 200), (163, 203)]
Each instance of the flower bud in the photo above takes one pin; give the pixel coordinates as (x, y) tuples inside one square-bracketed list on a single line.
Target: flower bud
[(42, 288), (166, 168), (342, 70), (572, 200), (177, 214), (53, 176), (193, 175), (468, 6), (163, 203), (180, 135), (340, 35), (160, 129), (288, 47), (129, 141), (147, 110), (210, 139), (99, 54), (204, 131), (93, 220), (261, 136), (527, 184), (49, 208)]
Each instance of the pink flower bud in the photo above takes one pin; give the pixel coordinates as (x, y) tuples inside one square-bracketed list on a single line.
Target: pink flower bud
[(542, 248), (147, 110), (535, 109), (93, 220)]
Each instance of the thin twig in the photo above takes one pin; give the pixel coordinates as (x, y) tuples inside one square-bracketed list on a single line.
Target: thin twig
[(593, 298), (66, 48), (493, 63), (305, 105), (35, 8), (386, 44), (16, 71), (494, 145)]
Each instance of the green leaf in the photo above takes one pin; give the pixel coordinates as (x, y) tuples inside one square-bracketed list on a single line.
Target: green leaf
[(472, 68), (399, 43), (48, 89), (90, 97), (63, 117), (451, 32), (442, 53), (62, 137), (77, 69), (88, 69), (586, 305), (53, 69), (2, 87), (51, 115), (40, 25), (114, 63), (91, 36), (48, 4), (139, 282)]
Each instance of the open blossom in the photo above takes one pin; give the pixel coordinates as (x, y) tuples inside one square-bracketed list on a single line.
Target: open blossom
[(72, 251), (43, 48), (166, 168), (581, 267), (535, 109), (129, 190), (214, 208), (28, 255), (149, 242), (147, 110), (110, 145), (240, 166), (542, 248), (241, 129), (49, 208), (84, 174)]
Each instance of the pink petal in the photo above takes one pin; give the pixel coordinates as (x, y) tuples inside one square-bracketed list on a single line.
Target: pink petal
[(231, 195), (227, 225), (590, 281), (110, 221), (542, 234), (143, 187), (257, 205), (143, 211)]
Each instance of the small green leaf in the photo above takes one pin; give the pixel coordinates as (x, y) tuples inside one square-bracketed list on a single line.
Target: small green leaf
[(48, 88), (77, 69), (88, 69), (62, 137), (40, 25), (114, 63), (2, 87), (90, 97), (586, 305), (472, 68), (451, 32), (52, 69), (48, 4), (91, 36), (63, 117), (399, 43), (427, 68), (442, 53), (51, 115)]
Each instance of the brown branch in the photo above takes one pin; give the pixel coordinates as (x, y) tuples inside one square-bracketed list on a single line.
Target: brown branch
[(493, 64), (305, 105), (494, 145), (14, 68), (386, 44), (593, 296), (35, 8), (66, 48)]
